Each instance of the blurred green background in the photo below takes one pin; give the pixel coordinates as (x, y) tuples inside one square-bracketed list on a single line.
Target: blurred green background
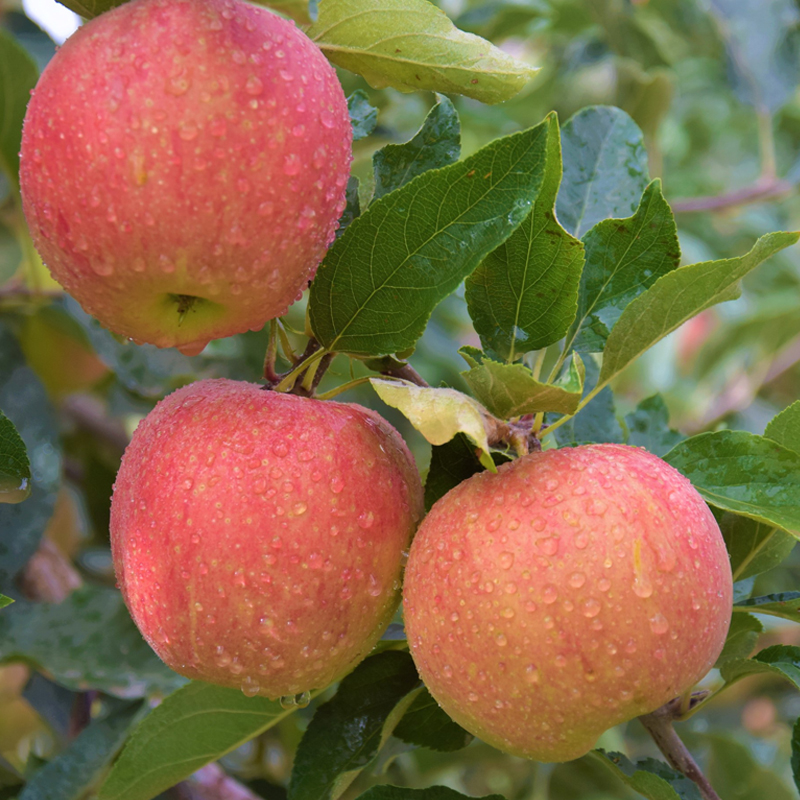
[(713, 84)]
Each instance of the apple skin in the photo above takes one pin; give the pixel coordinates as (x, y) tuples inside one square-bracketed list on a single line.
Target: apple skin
[(183, 167), (258, 537), (572, 591)]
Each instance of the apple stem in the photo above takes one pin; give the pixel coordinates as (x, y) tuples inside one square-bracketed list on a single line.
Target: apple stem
[(406, 373), (270, 376), (659, 725)]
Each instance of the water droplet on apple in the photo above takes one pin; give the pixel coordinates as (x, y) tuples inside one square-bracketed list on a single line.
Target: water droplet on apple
[(254, 86), (506, 560), (577, 579), (659, 624), (590, 608), (532, 674)]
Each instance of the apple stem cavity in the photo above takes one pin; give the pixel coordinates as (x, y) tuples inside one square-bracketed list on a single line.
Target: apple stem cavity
[(659, 725)]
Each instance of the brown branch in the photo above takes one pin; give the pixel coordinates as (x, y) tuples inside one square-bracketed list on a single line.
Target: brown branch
[(406, 373), (659, 725), (759, 192)]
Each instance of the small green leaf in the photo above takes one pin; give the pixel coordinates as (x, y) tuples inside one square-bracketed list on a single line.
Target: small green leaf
[(741, 639), (452, 463), (75, 770), (623, 258), (18, 76), (425, 724), (650, 778), (678, 296), (298, 10), (438, 414), (523, 296), (648, 427), (15, 468), (743, 473), (88, 641), (785, 427), (347, 732), (363, 115), (510, 390), (436, 144), (785, 605), (192, 727), (777, 660), (379, 283), (411, 45), (754, 547), (605, 168), (573, 377), (5, 601), (432, 793)]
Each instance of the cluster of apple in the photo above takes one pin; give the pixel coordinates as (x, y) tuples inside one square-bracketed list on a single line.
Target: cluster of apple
[(183, 169)]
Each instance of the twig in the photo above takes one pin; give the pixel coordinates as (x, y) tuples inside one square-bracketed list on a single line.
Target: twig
[(759, 192), (406, 373), (659, 726)]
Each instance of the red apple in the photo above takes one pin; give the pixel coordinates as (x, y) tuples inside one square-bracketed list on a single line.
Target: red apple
[(258, 537), (183, 167), (573, 590)]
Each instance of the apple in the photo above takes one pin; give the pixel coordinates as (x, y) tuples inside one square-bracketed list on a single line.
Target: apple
[(572, 591), (183, 167), (258, 537)]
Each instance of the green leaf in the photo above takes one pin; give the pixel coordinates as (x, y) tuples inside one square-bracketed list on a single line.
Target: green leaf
[(452, 463), (75, 770), (88, 641), (438, 414), (650, 778), (785, 605), (425, 724), (411, 45), (595, 423), (379, 283), (5, 601), (785, 427), (523, 296), (363, 115), (605, 168), (761, 40), (432, 793), (754, 547), (648, 427), (18, 76), (347, 732), (510, 390), (678, 296), (743, 473), (192, 727), (298, 10), (741, 639), (778, 660), (623, 258), (15, 468), (24, 400), (436, 144)]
